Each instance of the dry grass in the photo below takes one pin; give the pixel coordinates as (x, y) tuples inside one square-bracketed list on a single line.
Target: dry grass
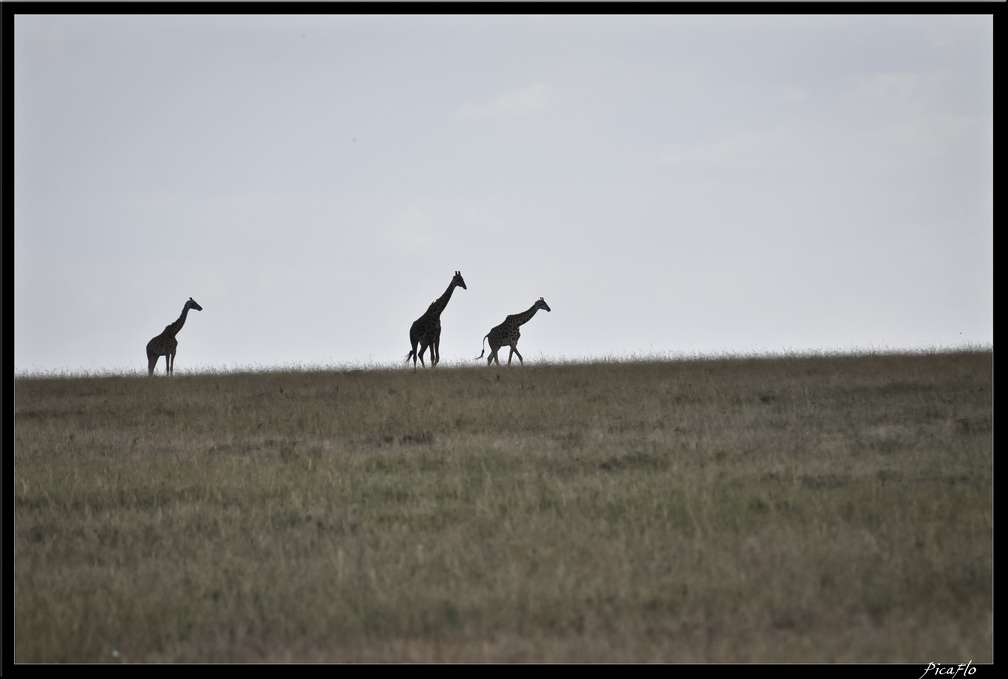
[(803, 509)]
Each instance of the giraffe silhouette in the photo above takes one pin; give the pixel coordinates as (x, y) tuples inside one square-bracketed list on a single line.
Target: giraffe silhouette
[(165, 344), (506, 334), (426, 330)]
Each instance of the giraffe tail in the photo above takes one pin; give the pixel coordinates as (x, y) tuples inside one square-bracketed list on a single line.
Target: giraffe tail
[(484, 347)]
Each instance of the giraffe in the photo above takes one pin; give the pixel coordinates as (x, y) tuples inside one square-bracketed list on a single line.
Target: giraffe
[(165, 344), (426, 330), (506, 334)]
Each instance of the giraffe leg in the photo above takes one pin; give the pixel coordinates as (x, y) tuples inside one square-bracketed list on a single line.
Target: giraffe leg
[(435, 352), (514, 352), (151, 362), (170, 363)]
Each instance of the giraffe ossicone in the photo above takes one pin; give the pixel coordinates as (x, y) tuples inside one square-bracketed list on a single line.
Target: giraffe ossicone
[(507, 333), (165, 344), (426, 331)]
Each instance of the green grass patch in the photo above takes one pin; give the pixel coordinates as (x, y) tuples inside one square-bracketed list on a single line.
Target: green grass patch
[(790, 509)]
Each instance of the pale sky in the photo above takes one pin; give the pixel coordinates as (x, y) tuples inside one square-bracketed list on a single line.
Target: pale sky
[(671, 185)]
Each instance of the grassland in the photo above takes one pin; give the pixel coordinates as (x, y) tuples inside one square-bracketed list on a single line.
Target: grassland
[(794, 509)]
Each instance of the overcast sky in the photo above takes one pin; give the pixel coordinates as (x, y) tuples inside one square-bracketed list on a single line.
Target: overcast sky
[(671, 185)]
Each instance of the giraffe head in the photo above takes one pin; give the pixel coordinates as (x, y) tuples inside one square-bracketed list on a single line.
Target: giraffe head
[(458, 281), (192, 304), (541, 304)]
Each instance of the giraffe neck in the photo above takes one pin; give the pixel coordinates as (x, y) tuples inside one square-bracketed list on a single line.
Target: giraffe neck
[(177, 325), (525, 316), (441, 302)]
